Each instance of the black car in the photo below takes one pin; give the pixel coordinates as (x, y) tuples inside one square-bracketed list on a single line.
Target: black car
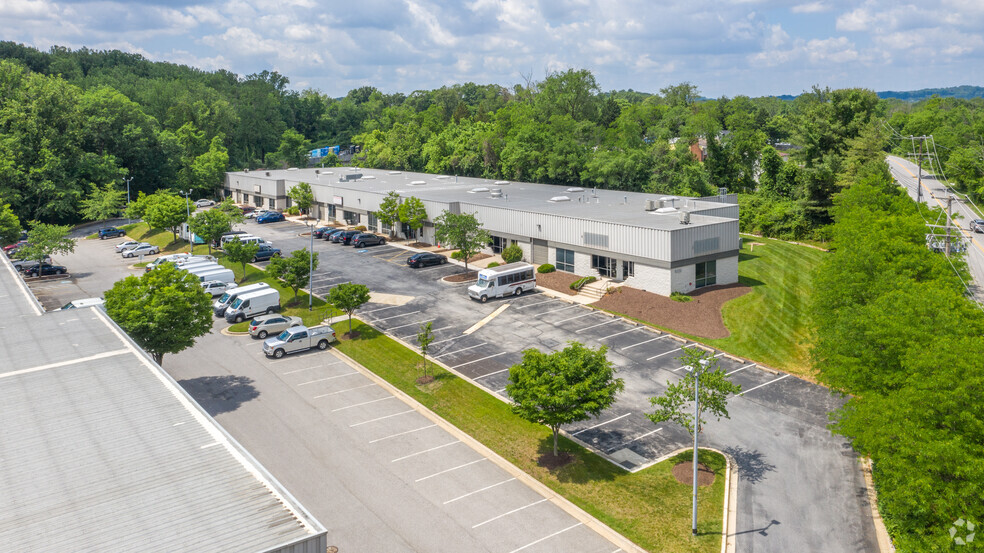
[(329, 235), (111, 232), (345, 237), (320, 231), (367, 239), (265, 253), (424, 259), (45, 269)]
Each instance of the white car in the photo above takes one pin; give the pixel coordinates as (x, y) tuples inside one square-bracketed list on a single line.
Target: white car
[(127, 245), (204, 202), (217, 287), (142, 249), (255, 214)]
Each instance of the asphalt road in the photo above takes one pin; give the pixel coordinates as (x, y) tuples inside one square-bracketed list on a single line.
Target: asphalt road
[(934, 194)]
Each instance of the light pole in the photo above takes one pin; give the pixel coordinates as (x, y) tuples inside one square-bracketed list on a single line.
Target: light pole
[(698, 369), (191, 241), (311, 272), (128, 179)]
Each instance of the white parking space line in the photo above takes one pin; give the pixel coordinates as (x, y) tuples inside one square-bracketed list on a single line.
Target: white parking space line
[(645, 342), (421, 479), (428, 268), (478, 491), (371, 384), (395, 316), (363, 403), (623, 444), (556, 310), (453, 339), (432, 330), (601, 424), (327, 378), (610, 321), (621, 333), (425, 451), (381, 309), (664, 353), (482, 359), (384, 417), (301, 370), (740, 369), (576, 317), (491, 374), (410, 324), (537, 303), (459, 350), (717, 355), (557, 533), (398, 434), (509, 513), (766, 384)]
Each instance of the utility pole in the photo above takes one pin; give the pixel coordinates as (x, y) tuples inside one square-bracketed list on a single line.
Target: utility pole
[(949, 221), (919, 157)]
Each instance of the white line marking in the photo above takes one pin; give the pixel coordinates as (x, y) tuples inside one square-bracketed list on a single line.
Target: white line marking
[(450, 469), (327, 378), (345, 390), (490, 374), (381, 418), (395, 316), (432, 330), (459, 350), (645, 342), (380, 309), (766, 384), (410, 324), (740, 369), (509, 513), (610, 321), (363, 403), (556, 310), (601, 424), (532, 304), (620, 333), (425, 451), (213, 444), (66, 363), (717, 355), (558, 532), (572, 318), (398, 434), (452, 339), (487, 318), (478, 491), (482, 359), (623, 444), (664, 353), (309, 368)]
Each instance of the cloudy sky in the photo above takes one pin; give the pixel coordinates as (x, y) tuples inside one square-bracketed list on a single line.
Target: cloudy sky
[(725, 47)]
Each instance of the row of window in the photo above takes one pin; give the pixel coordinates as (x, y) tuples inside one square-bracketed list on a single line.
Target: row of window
[(515, 277)]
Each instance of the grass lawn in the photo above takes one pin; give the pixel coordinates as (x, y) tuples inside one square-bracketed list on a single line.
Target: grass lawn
[(649, 507)]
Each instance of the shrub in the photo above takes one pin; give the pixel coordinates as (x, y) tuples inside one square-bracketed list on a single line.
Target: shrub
[(579, 283), (493, 264), (293, 210), (546, 268), (360, 227), (457, 255), (682, 298), (512, 253)]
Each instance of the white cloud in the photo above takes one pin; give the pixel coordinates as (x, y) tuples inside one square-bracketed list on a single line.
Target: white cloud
[(810, 7), (857, 20), (831, 50)]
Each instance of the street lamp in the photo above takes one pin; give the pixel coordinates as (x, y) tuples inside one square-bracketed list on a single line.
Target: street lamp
[(311, 272), (697, 371), (128, 179)]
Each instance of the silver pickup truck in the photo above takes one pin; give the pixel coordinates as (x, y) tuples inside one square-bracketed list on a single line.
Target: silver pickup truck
[(298, 338)]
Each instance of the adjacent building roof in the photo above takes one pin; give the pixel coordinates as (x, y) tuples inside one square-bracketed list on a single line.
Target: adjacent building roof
[(100, 450)]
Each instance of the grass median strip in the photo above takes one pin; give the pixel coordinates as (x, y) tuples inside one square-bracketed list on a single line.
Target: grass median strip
[(650, 507)]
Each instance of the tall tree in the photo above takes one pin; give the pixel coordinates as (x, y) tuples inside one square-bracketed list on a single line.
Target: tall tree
[(102, 203), (349, 297), (292, 152), (240, 252), (563, 387), (44, 240), (165, 210), (389, 211), (210, 225), (413, 213), (676, 403), (302, 195), (461, 231), (295, 269), (10, 227)]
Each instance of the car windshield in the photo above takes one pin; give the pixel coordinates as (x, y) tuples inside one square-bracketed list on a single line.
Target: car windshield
[(237, 303), (284, 336), (68, 305), (224, 298), (482, 283)]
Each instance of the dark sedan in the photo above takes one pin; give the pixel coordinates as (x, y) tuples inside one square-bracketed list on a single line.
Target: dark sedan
[(265, 253), (329, 235), (45, 270), (345, 237), (424, 259), (367, 239), (271, 217), (320, 232)]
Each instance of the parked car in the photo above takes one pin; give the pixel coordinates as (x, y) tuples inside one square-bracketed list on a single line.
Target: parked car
[(264, 325), (204, 202), (217, 287), (12, 248), (246, 306), (128, 244), (345, 237), (45, 269), (270, 217), (367, 239), (265, 253), (111, 232), (79, 304), (298, 338), (142, 249), (425, 259), (256, 213), (220, 305), (222, 239), (320, 231), (21, 265), (328, 235), (977, 225)]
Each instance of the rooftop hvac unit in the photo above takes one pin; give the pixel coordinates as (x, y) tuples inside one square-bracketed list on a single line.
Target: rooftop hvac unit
[(684, 217), (479, 189), (394, 172), (317, 171), (500, 182), (650, 205), (417, 183), (268, 173), (496, 192), (559, 199)]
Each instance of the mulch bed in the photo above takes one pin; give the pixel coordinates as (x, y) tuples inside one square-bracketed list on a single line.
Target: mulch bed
[(558, 281), (699, 317), (419, 245), (550, 461), (353, 335), (684, 473), (462, 277)]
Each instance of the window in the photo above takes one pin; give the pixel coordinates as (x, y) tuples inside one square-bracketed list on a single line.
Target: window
[(628, 269), (373, 221), (257, 201), (245, 198), (288, 201), (498, 244), (605, 266), (331, 210), (706, 274), (271, 203), (565, 260)]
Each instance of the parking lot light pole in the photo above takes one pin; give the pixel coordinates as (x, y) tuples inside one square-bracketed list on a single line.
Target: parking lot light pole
[(127, 180), (698, 369), (191, 242), (311, 272)]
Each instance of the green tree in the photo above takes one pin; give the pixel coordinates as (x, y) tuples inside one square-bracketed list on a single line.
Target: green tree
[(231, 210), (240, 252), (103, 202), (294, 270), (424, 339), (44, 240), (389, 211), (348, 297), (207, 171), (413, 213), (165, 210), (563, 387), (292, 152), (512, 253), (461, 232), (676, 403), (210, 225), (164, 310), (302, 195), (10, 227)]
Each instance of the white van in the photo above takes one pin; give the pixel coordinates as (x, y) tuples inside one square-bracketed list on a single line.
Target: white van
[(222, 303), (504, 280), (247, 306), (180, 260), (198, 268), (245, 239), (221, 274), (78, 304)]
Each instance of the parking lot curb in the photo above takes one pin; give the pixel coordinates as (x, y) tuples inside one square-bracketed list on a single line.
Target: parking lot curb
[(226, 332), (560, 501)]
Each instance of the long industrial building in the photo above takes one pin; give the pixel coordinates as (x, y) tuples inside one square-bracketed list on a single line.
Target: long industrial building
[(662, 244), (101, 450)]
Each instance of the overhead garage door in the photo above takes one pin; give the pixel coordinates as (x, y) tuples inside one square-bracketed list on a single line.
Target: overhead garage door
[(541, 253)]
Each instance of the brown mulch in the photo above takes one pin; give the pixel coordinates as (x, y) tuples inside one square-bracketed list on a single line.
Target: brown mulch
[(462, 277), (558, 281), (700, 317), (684, 473), (550, 461), (353, 335), (479, 257), (427, 380), (419, 245)]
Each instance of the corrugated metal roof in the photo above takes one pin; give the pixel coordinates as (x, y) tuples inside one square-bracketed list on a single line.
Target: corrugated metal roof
[(100, 450)]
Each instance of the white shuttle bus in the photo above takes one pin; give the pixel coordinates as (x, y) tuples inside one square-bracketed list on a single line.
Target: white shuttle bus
[(504, 280)]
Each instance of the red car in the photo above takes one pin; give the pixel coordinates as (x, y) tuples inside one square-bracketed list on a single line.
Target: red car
[(9, 250)]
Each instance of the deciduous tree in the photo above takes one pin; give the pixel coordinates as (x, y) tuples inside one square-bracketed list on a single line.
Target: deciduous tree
[(239, 252), (294, 270), (676, 403), (349, 297), (10, 227), (102, 203), (210, 225), (302, 195), (164, 210), (461, 232), (389, 211), (424, 339), (44, 240), (412, 214)]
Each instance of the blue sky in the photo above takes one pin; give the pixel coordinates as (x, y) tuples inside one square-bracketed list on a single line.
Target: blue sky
[(725, 47)]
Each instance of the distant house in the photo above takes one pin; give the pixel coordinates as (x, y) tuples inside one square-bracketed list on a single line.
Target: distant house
[(699, 148)]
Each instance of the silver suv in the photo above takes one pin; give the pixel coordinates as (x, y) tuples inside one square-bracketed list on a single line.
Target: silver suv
[(265, 325)]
